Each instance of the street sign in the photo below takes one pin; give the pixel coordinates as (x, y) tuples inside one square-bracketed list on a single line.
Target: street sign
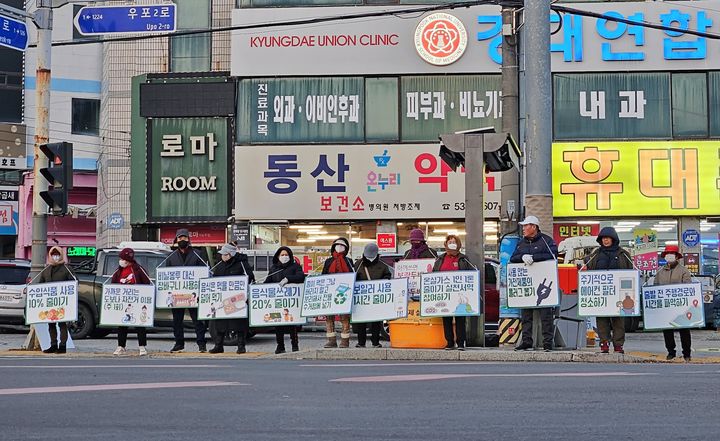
[(13, 33), (102, 20)]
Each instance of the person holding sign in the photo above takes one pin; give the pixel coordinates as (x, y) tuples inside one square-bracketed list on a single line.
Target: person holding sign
[(130, 272), (285, 270), (610, 256), (535, 246), (453, 260), (185, 255), (56, 271), (419, 248), (338, 263), (231, 264), (370, 267), (672, 273)]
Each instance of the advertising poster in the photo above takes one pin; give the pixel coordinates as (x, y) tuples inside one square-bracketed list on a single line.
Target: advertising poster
[(377, 300), (673, 306), (507, 247), (645, 252), (275, 305), (411, 269), (223, 298), (178, 286), (450, 293), (328, 294), (127, 305), (613, 293), (533, 286), (52, 302)]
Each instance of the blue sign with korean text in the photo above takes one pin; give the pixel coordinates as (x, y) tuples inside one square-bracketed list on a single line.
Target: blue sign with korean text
[(103, 20), (13, 34)]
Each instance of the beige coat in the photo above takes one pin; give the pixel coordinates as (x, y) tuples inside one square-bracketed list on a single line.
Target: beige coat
[(670, 276)]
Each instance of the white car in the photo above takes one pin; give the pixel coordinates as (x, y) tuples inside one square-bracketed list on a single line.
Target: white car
[(13, 277)]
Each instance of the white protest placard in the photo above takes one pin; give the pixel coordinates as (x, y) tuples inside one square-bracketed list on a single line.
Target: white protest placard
[(54, 302), (223, 298), (609, 293), (127, 305), (533, 286), (450, 293), (328, 294), (673, 306), (411, 269), (274, 305), (377, 300), (178, 286)]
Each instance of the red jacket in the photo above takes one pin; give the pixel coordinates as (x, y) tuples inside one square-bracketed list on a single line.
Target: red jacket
[(139, 275)]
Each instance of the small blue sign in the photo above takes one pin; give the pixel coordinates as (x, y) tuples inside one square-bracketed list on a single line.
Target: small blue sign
[(115, 221), (691, 238), (102, 20), (13, 33)]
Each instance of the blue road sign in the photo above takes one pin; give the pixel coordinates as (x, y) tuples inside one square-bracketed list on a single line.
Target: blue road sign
[(102, 20), (13, 33)]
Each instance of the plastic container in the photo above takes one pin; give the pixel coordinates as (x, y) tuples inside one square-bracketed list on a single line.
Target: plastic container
[(415, 332)]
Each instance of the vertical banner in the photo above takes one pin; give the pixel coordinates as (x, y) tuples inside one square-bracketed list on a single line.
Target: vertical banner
[(52, 302), (178, 286), (328, 294), (377, 300), (127, 305), (609, 293), (275, 305), (223, 298), (533, 286), (507, 247), (411, 269), (450, 293), (645, 252), (673, 306)]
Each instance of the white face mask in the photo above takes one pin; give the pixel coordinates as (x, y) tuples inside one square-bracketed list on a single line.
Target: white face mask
[(670, 258), (340, 248), (56, 257), (123, 263), (452, 246), (284, 259)]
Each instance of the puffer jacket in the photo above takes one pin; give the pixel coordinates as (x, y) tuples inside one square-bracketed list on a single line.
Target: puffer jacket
[(292, 271), (541, 247), (612, 257), (377, 269)]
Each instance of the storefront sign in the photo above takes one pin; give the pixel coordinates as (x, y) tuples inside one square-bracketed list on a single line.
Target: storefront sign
[(178, 286), (533, 286), (241, 235), (352, 182), (12, 146), (127, 305), (412, 269), (564, 231), (275, 305), (9, 213), (636, 178), (450, 293), (81, 251), (188, 169), (613, 293), (378, 300), (328, 294), (692, 262), (691, 238), (200, 235), (645, 249), (673, 306), (387, 242), (223, 298), (51, 302)]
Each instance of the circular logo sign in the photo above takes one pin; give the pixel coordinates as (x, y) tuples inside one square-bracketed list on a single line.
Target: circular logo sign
[(440, 39)]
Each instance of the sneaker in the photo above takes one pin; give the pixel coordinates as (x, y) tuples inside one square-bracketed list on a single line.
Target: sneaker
[(377, 346), (280, 350), (177, 348), (450, 348), (618, 349), (202, 347), (687, 359), (461, 348), (670, 356), (605, 347), (524, 347), (143, 351), (62, 349), (217, 349), (359, 345), (241, 350), (547, 348), (295, 348), (120, 351), (51, 350)]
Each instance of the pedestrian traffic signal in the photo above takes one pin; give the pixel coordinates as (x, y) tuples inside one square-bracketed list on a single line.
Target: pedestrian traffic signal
[(59, 174)]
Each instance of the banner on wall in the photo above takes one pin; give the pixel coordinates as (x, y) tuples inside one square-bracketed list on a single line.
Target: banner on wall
[(645, 251), (223, 298), (533, 286), (673, 306), (51, 302), (328, 294), (179, 286), (127, 305), (450, 293), (378, 300), (275, 305), (609, 293)]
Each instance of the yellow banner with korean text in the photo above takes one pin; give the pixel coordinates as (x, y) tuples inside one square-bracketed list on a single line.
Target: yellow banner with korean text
[(648, 178)]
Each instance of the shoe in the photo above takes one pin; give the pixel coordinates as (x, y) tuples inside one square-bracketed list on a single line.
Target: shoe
[(331, 343), (280, 350), (177, 348), (202, 347), (524, 347), (51, 350), (241, 349), (687, 359), (62, 349), (618, 349), (461, 346), (359, 345), (217, 349), (377, 346), (344, 343), (120, 351), (670, 356), (295, 348), (450, 347), (605, 347), (143, 351), (547, 348)]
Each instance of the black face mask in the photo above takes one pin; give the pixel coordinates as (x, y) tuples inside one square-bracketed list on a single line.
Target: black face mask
[(183, 244)]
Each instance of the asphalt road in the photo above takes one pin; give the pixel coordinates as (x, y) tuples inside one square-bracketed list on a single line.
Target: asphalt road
[(120, 399)]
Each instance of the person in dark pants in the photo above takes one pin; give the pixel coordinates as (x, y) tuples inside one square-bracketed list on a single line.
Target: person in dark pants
[(339, 262), (56, 271), (129, 272), (610, 256), (185, 255), (285, 270), (673, 273), (370, 267), (535, 246), (453, 260), (231, 263)]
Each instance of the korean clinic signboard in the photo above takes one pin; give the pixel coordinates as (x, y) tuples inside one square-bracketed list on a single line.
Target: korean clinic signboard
[(636, 178), (394, 44), (188, 169), (352, 182)]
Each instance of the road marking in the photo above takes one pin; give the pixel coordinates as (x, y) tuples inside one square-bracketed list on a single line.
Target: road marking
[(110, 366), (427, 377), (104, 387), (409, 363)]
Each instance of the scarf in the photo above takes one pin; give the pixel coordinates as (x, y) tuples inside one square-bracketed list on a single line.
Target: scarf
[(417, 249), (339, 264)]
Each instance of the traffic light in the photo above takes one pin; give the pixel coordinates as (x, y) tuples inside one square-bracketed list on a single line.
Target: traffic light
[(59, 174)]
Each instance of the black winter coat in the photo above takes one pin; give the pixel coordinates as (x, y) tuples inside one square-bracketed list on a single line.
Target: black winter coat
[(328, 262), (541, 247), (291, 270), (55, 273), (189, 258), (609, 258), (236, 266), (377, 269)]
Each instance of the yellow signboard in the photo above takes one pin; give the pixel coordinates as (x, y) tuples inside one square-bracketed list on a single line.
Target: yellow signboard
[(663, 178)]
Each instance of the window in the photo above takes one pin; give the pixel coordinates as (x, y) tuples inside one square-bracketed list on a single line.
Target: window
[(85, 116), (191, 53), (689, 104), (381, 122)]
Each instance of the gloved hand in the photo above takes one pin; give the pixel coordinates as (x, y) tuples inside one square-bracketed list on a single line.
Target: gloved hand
[(283, 282), (528, 259)]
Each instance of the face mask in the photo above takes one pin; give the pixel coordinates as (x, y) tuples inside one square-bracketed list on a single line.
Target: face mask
[(340, 248), (56, 257), (284, 259), (183, 244), (670, 258), (416, 245), (123, 263), (452, 246), (225, 257)]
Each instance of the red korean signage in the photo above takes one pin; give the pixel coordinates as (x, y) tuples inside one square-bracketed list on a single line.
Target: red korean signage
[(387, 242), (199, 235), (563, 231)]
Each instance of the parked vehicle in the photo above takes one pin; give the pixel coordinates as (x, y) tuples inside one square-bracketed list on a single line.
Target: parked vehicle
[(13, 277)]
